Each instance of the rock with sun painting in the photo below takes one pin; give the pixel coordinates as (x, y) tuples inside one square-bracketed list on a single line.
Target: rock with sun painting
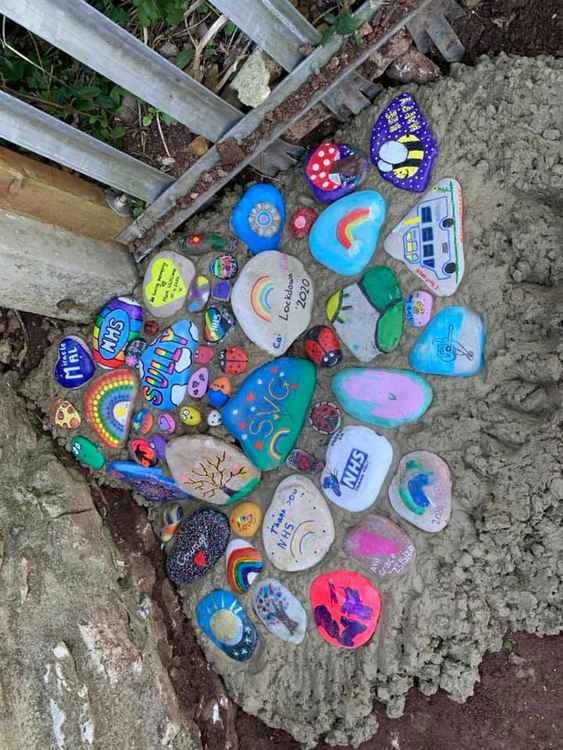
[(108, 404), (380, 546), (421, 491), (166, 283), (344, 237), (223, 619), (279, 611), (333, 170), (166, 365), (298, 529), (418, 308), (267, 413), (199, 543), (272, 300), (211, 469), (152, 483), (259, 217), (244, 565), (357, 462)]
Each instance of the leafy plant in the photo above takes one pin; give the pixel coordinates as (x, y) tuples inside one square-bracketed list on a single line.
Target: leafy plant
[(152, 113), (344, 24), (152, 12)]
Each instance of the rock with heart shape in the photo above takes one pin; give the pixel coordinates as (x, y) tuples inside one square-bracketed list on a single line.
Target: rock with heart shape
[(199, 543), (259, 217), (272, 300), (74, 366), (166, 283), (268, 412), (117, 325), (380, 546), (244, 564), (223, 619), (333, 170), (279, 611), (152, 483), (344, 237)]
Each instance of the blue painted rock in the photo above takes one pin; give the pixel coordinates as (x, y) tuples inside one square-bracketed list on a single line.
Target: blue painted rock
[(344, 237), (220, 391), (166, 283), (117, 324), (304, 462), (279, 611), (298, 529), (429, 239), (418, 308), (166, 365), (223, 619), (357, 462), (333, 170), (199, 543), (198, 382), (402, 145), (221, 291), (380, 546), (259, 217), (244, 564), (87, 453), (153, 483), (272, 300), (267, 413), (217, 323), (142, 421), (421, 490), (211, 469), (198, 293), (368, 316), (74, 366), (385, 398), (453, 344)]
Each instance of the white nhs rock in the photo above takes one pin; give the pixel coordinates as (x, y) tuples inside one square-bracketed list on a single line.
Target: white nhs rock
[(357, 462)]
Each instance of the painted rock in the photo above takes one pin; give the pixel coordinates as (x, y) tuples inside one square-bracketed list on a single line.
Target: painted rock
[(244, 564), (158, 444), (298, 528), (142, 421), (166, 423), (166, 283), (224, 266), (245, 519), (304, 462), (368, 316), (171, 519), (402, 145), (222, 618), (421, 490), (201, 243), (199, 542), (166, 365), (134, 351), (233, 360), (357, 462), (211, 469), (418, 308), (429, 240), (74, 366), (385, 398), (204, 355), (150, 327), (344, 237), (108, 405), (118, 324), (214, 418), (190, 416), (65, 415), (272, 300), (333, 170), (219, 392), (301, 222), (453, 344), (380, 546), (198, 293), (87, 453), (346, 607), (217, 323), (153, 483), (258, 218), (143, 453), (325, 417), (322, 346), (279, 611), (267, 413), (221, 291), (198, 383)]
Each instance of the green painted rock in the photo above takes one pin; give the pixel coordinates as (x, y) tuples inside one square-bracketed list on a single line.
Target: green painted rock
[(86, 452)]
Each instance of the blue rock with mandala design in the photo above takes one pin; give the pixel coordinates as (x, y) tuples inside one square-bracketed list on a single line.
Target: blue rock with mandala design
[(259, 217)]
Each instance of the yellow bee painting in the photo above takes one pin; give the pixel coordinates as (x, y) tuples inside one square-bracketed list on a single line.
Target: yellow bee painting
[(403, 157)]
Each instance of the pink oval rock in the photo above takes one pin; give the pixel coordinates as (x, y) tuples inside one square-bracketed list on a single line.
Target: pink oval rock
[(198, 383), (380, 546)]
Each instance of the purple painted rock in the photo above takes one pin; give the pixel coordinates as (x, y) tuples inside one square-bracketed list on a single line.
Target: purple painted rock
[(198, 383), (418, 308), (380, 546), (333, 170)]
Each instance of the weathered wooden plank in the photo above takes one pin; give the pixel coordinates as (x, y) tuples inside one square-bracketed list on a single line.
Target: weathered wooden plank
[(432, 26)]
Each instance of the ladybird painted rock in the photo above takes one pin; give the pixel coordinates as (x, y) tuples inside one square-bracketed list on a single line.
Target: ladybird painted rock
[(301, 222), (65, 415), (322, 346), (199, 543), (333, 170), (233, 360)]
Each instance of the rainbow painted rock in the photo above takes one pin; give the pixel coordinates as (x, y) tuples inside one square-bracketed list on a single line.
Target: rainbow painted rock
[(217, 324), (245, 519), (273, 300), (152, 483), (452, 344), (344, 237), (346, 607), (402, 145), (333, 170), (117, 324), (87, 453), (322, 346), (380, 546), (211, 469), (65, 415), (223, 619), (199, 543), (429, 239), (166, 283), (224, 266), (198, 293), (244, 564), (368, 316), (418, 308), (357, 462), (108, 405), (74, 366), (421, 490), (268, 412), (166, 365), (385, 398), (298, 529), (259, 217), (279, 611)]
